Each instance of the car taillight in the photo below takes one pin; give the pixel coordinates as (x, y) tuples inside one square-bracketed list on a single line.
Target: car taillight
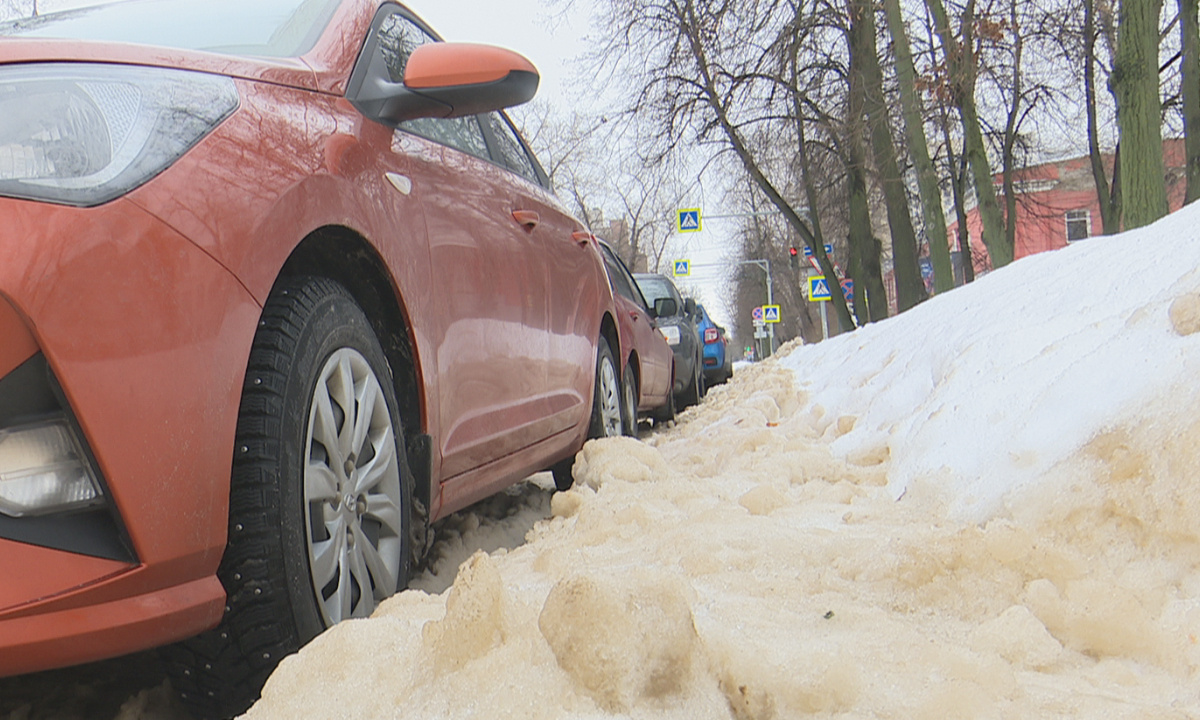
[(711, 336)]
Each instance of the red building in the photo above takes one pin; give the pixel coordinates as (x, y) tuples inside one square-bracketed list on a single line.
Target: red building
[(1057, 205)]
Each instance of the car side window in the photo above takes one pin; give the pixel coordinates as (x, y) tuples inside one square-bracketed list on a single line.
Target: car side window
[(511, 150), (462, 133), (398, 37), (622, 279), (619, 283)]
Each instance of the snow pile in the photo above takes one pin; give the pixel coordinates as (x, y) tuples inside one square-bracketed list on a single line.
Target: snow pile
[(985, 508)]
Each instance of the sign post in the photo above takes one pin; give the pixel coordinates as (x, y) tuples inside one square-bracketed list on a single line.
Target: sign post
[(818, 291)]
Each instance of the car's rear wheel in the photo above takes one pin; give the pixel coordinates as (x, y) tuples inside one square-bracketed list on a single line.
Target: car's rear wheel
[(606, 410), (320, 496), (666, 413), (629, 401)]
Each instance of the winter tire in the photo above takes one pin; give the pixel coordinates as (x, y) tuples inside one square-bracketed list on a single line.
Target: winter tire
[(320, 496), (629, 401), (694, 391)]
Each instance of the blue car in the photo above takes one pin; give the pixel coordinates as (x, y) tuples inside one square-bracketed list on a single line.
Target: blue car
[(718, 361)]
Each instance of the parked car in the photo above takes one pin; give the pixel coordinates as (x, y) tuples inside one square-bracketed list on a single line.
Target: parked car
[(649, 362), (677, 322), (718, 361), (279, 287)]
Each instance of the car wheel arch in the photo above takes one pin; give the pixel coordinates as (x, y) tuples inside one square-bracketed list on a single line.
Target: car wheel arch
[(346, 257), (635, 361), (608, 331)]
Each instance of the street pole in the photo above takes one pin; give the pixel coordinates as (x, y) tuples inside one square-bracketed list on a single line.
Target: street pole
[(824, 319)]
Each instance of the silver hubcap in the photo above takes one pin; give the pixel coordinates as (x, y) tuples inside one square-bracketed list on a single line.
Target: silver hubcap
[(610, 399), (352, 490)]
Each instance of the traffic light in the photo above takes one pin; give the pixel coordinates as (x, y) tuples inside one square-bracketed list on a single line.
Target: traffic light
[(794, 258)]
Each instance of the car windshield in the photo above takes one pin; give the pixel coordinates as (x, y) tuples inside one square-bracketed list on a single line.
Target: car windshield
[(655, 287), (263, 28)]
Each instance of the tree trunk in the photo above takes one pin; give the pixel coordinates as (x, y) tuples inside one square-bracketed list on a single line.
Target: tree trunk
[(1010, 134), (1109, 199), (1189, 27), (960, 63), (1135, 82), (914, 128), (870, 296), (864, 59)]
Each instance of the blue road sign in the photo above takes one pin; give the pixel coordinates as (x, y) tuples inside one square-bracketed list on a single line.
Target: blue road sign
[(818, 289), (683, 268), (757, 314), (770, 313), (688, 220), (808, 251)]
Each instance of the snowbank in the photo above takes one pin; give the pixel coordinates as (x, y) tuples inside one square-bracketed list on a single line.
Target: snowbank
[(984, 508)]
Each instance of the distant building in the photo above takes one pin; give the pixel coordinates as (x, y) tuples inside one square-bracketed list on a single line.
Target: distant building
[(1056, 206)]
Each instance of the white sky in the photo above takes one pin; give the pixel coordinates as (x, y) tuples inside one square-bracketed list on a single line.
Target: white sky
[(985, 507)]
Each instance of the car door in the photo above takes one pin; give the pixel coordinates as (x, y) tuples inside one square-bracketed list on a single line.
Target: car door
[(573, 280), (488, 280)]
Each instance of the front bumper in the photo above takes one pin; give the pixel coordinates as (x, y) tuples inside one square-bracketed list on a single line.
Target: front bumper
[(144, 338)]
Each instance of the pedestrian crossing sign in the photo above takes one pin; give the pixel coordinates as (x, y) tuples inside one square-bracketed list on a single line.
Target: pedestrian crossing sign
[(683, 268), (689, 220), (818, 289), (770, 313)]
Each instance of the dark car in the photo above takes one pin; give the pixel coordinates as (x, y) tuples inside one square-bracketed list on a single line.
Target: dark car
[(718, 361), (677, 321), (279, 287)]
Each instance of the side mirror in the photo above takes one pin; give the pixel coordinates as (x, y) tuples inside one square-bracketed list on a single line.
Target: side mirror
[(445, 80), (665, 307), (689, 307)]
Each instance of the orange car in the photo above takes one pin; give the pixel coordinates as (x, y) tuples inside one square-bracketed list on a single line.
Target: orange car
[(279, 286)]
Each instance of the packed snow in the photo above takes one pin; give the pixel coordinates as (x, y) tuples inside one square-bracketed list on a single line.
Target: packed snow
[(984, 508)]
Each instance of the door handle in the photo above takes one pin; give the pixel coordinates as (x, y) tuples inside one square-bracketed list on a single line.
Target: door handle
[(527, 218), (633, 314), (583, 237)]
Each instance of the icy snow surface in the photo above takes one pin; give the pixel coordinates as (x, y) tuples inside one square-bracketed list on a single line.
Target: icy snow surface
[(985, 508)]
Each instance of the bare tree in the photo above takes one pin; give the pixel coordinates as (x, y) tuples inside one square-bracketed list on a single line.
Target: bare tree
[(961, 67), (864, 62), (710, 72), (918, 146)]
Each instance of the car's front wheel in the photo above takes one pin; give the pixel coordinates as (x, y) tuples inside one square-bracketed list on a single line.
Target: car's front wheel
[(320, 496)]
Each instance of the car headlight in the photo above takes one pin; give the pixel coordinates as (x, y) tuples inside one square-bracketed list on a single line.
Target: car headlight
[(671, 333), (86, 134)]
